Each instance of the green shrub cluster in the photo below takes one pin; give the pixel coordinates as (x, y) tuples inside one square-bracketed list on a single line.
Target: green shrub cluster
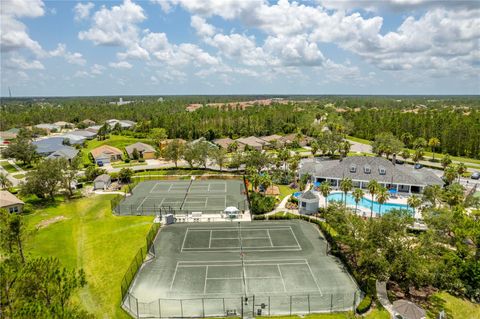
[(261, 204), (364, 305)]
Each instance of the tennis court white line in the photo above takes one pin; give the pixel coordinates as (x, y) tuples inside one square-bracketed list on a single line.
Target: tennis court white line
[(294, 236), (269, 238), (236, 261), (242, 238), (205, 283), (240, 278), (314, 279), (210, 240), (244, 229), (247, 249), (283, 281), (240, 265), (231, 247), (174, 275)]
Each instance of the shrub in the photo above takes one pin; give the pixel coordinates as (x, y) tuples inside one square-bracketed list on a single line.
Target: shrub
[(261, 204), (141, 160), (293, 200), (364, 305), (127, 160)]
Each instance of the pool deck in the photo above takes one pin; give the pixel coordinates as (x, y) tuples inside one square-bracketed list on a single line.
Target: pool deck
[(366, 211)]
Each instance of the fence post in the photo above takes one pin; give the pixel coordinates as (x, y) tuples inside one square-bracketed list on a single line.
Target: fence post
[(203, 307), (224, 306), (331, 302), (290, 305), (268, 305), (354, 300), (181, 308), (253, 306), (136, 300), (308, 300), (159, 308)]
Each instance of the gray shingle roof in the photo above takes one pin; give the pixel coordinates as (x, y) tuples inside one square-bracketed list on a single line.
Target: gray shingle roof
[(141, 147), (66, 152), (103, 178), (396, 174), (49, 145), (309, 196)]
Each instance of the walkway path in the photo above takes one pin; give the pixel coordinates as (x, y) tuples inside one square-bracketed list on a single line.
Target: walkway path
[(382, 297), (18, 168)]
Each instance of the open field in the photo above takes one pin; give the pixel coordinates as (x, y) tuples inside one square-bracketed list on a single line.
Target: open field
[(83, 233)]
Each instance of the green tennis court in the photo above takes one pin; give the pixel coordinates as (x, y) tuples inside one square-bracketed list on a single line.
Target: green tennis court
[(184, 196), (217, 269)]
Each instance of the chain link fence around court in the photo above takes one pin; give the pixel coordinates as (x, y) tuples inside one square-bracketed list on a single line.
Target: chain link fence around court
[(139, 258), (121, 205), (242, 306)]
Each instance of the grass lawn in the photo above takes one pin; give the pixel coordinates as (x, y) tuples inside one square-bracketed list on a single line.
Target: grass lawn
[(180, 171), (8, 167), (374, 314), (117, 141), (19, 176), (453, 306), (285, 190), (90, 237)]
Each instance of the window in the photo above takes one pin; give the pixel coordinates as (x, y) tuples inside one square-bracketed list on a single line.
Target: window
[(304, 204), (382, 170), (353, 168), (367, 169)]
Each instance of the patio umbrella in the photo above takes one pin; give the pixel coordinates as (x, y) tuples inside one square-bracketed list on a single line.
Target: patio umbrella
[(408, 310)]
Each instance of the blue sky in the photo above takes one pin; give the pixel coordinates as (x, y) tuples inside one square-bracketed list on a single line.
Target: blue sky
[(70, 48)]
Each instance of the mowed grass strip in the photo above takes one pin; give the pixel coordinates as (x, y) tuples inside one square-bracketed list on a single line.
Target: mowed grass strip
[(8, 167), (84, 234)]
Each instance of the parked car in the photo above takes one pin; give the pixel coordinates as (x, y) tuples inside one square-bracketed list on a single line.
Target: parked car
[(475, 175), (418, 166), (399, 161)]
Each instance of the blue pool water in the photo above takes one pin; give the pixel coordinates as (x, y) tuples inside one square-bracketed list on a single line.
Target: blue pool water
[(297, 194), (366, 203)]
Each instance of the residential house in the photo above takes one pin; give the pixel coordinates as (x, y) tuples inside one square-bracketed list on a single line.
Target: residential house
[(10, 202), (252, 142), (363, 169), (85, 133), (64, 125), (169, 140), (102, 182), (49, 128), (6, 138), (94, 129), (144, 150), (88, 122), (106, 154), (225, 142), (124, 124), (47, 146), (73, 139), (302, 139), (308, 203), (68, 153), (273, 140)]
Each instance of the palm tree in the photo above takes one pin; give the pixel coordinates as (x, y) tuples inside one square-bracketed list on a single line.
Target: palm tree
[(346, 185), (450, 173), (405, 154), (414, 201), (4, 181), (325, 189), (372, 187), (433, 143), (461, 168), (382, 197), (314, 148), (446, 160), (417, 155), (406, 138), (357, 196), (432, 193)]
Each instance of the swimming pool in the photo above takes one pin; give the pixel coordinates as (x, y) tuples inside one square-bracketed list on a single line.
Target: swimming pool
[(367, 203)]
